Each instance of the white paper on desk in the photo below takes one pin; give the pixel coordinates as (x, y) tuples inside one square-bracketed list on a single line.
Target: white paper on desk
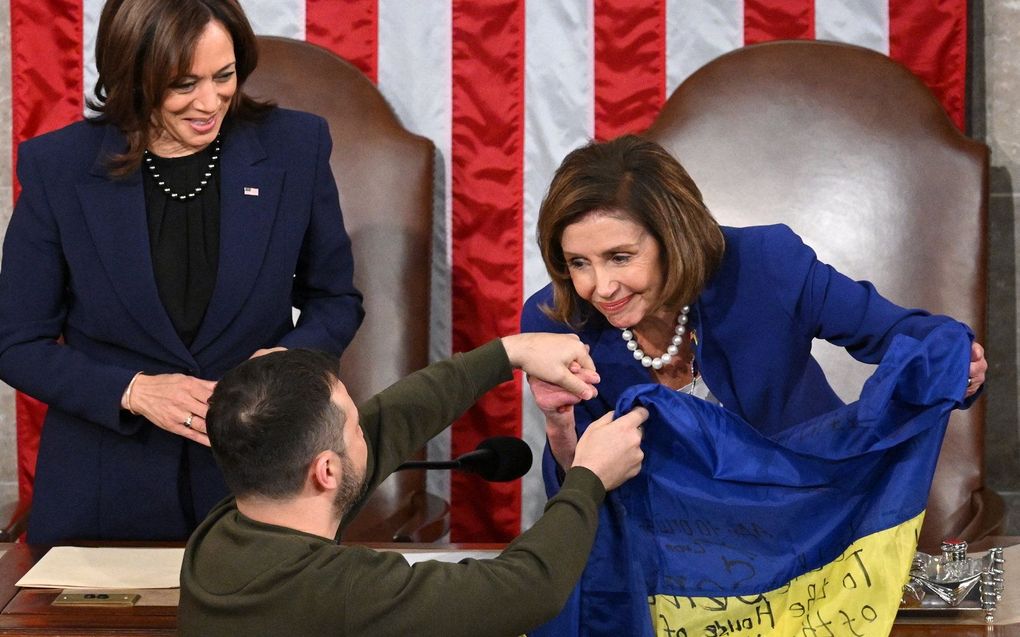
[(415, 556), (102, 567)]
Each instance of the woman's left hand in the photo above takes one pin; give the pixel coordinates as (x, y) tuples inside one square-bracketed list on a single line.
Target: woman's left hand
[(978, 367), (174, 402)]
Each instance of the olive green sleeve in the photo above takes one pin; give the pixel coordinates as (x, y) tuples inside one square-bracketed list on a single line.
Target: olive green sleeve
[(402, 418), (522, 588)]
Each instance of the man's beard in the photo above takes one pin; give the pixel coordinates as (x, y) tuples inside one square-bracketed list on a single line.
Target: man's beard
[(352, 486)]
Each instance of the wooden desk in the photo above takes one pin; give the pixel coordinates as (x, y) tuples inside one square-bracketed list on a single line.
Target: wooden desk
[(29, 611)]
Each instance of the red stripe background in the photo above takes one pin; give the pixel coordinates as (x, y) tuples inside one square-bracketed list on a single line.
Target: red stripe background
[(630, 65), (46, 67), (930, 38), (46, 94), (766, 20), (487, 227), (349, 28)]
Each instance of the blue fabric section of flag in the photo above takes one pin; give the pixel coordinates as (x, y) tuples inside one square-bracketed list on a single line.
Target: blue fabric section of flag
[(720, 510)]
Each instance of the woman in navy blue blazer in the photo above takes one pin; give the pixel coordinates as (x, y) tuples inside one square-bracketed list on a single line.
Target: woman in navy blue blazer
[(153, 248), (661, 293)]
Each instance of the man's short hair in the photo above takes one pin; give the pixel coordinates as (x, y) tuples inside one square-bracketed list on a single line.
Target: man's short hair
[(270, 416)]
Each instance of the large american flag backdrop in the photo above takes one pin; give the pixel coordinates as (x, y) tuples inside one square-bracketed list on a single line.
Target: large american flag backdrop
[(504, 88)]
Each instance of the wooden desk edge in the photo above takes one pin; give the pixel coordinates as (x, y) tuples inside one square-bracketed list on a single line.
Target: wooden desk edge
[(18, 558)]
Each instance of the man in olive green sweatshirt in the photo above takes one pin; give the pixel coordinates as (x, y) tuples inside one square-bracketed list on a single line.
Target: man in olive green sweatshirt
[(300, 459)]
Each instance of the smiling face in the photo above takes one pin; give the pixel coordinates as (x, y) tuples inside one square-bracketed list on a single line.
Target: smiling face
[(196, 104), (615, 265)]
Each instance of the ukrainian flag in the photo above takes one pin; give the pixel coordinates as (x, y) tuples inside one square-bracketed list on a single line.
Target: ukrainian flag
[(808, 533)]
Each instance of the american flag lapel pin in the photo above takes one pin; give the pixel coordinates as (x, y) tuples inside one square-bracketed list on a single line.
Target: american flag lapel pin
[(251, 191)]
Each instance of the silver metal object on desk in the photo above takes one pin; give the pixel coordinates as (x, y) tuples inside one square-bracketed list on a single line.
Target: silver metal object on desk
[(953, 583)]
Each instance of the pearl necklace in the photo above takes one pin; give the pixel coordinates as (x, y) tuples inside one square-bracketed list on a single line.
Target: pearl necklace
[(674, 348), (198, 189)]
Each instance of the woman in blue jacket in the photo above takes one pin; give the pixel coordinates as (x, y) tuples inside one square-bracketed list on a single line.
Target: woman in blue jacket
[(154, 247), (662, 294)]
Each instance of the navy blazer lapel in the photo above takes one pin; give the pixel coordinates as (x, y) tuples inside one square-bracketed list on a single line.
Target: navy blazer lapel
[(114, 211), (713, 360), (249, 198)]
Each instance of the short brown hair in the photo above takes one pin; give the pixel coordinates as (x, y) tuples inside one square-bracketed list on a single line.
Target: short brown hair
[(638, 179), (143, 46)]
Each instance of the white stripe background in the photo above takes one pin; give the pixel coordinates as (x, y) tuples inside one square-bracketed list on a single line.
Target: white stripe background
[(414, 75)]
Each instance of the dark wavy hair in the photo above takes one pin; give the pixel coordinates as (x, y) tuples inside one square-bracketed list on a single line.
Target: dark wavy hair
[(144, 46), (636, 179)]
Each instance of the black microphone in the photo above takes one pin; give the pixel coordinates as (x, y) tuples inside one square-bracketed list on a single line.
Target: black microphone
[(498, 459)]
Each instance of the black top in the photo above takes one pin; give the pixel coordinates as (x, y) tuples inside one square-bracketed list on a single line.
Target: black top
[(184, 237)]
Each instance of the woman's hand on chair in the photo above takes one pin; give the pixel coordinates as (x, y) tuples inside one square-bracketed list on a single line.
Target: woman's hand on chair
[(977, 370)]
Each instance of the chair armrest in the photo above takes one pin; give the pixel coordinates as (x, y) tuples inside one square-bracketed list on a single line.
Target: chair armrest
[(16, 515)]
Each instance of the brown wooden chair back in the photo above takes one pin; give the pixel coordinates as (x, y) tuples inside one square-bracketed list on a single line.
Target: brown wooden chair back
[(385, 177), (855, 154)]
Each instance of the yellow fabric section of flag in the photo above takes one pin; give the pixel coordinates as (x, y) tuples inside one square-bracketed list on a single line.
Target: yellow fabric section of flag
[(855, 595)]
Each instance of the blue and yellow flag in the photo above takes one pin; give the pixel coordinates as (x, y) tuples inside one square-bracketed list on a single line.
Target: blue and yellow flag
[(808, 533)]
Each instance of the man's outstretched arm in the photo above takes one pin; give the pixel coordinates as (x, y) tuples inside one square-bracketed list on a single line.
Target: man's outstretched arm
[(402, 418)]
